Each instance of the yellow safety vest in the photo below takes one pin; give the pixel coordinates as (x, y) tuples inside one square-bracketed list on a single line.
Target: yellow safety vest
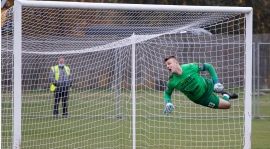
[(56, 72)]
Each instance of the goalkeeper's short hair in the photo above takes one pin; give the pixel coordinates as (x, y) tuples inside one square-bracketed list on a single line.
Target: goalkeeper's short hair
[(169, 57)]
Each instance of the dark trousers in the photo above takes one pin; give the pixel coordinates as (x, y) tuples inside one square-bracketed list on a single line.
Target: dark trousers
[(58, 95)]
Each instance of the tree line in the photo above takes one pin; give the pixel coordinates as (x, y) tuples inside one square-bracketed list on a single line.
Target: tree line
[(261, 8)]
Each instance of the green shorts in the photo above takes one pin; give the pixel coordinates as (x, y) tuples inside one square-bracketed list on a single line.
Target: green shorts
[(208, 99)]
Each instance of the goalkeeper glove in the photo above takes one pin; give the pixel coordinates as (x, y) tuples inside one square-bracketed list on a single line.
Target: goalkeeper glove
[(217, 87), (168, 108)]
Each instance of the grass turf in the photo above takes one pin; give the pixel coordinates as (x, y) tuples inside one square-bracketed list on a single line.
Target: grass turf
[(190, 126)]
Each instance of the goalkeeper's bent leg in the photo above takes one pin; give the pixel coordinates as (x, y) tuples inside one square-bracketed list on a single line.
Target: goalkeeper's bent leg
[(226, 97), (229, 95)]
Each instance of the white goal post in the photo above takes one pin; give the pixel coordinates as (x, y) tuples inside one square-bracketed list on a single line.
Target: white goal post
[(115, 53)]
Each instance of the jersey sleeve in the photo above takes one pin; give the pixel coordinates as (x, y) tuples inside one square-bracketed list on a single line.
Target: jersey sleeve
[(167, 95), (211, 70), (206, 67), (168, 92)]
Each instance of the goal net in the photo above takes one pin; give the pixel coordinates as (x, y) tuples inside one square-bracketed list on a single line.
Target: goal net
[(115, 56)]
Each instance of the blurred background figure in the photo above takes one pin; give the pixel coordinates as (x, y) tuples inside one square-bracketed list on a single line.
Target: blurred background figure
[(61, 82)]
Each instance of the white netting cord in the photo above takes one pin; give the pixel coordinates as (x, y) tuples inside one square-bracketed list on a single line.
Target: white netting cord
[(108, 27), (6, 77), (97, 46)]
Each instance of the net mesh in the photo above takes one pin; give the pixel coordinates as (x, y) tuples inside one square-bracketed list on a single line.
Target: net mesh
[(97, 46)]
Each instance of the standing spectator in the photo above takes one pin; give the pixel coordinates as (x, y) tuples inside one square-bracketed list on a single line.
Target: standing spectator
[(61, 82)]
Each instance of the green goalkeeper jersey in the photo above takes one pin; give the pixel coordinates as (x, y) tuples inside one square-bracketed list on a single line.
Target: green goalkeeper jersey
[(190, 82)]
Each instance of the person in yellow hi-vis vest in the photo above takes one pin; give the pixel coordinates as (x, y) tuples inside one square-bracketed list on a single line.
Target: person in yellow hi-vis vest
[(61, 82)]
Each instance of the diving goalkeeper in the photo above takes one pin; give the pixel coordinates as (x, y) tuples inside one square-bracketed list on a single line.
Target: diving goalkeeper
[(186, 78)]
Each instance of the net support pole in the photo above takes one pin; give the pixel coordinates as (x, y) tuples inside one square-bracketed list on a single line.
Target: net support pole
[(258, 82), (117, 86), (17, 75), (253, 81), (133, 93), (248, 80)]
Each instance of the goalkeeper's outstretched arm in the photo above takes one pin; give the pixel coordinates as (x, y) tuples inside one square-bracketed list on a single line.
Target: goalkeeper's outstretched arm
[(167, 97), (211, 70), (208, 67)]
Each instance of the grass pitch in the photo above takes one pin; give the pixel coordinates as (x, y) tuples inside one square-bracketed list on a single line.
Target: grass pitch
[(98, 120)]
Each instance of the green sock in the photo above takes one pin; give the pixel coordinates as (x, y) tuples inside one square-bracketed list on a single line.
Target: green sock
[(225, 97)]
